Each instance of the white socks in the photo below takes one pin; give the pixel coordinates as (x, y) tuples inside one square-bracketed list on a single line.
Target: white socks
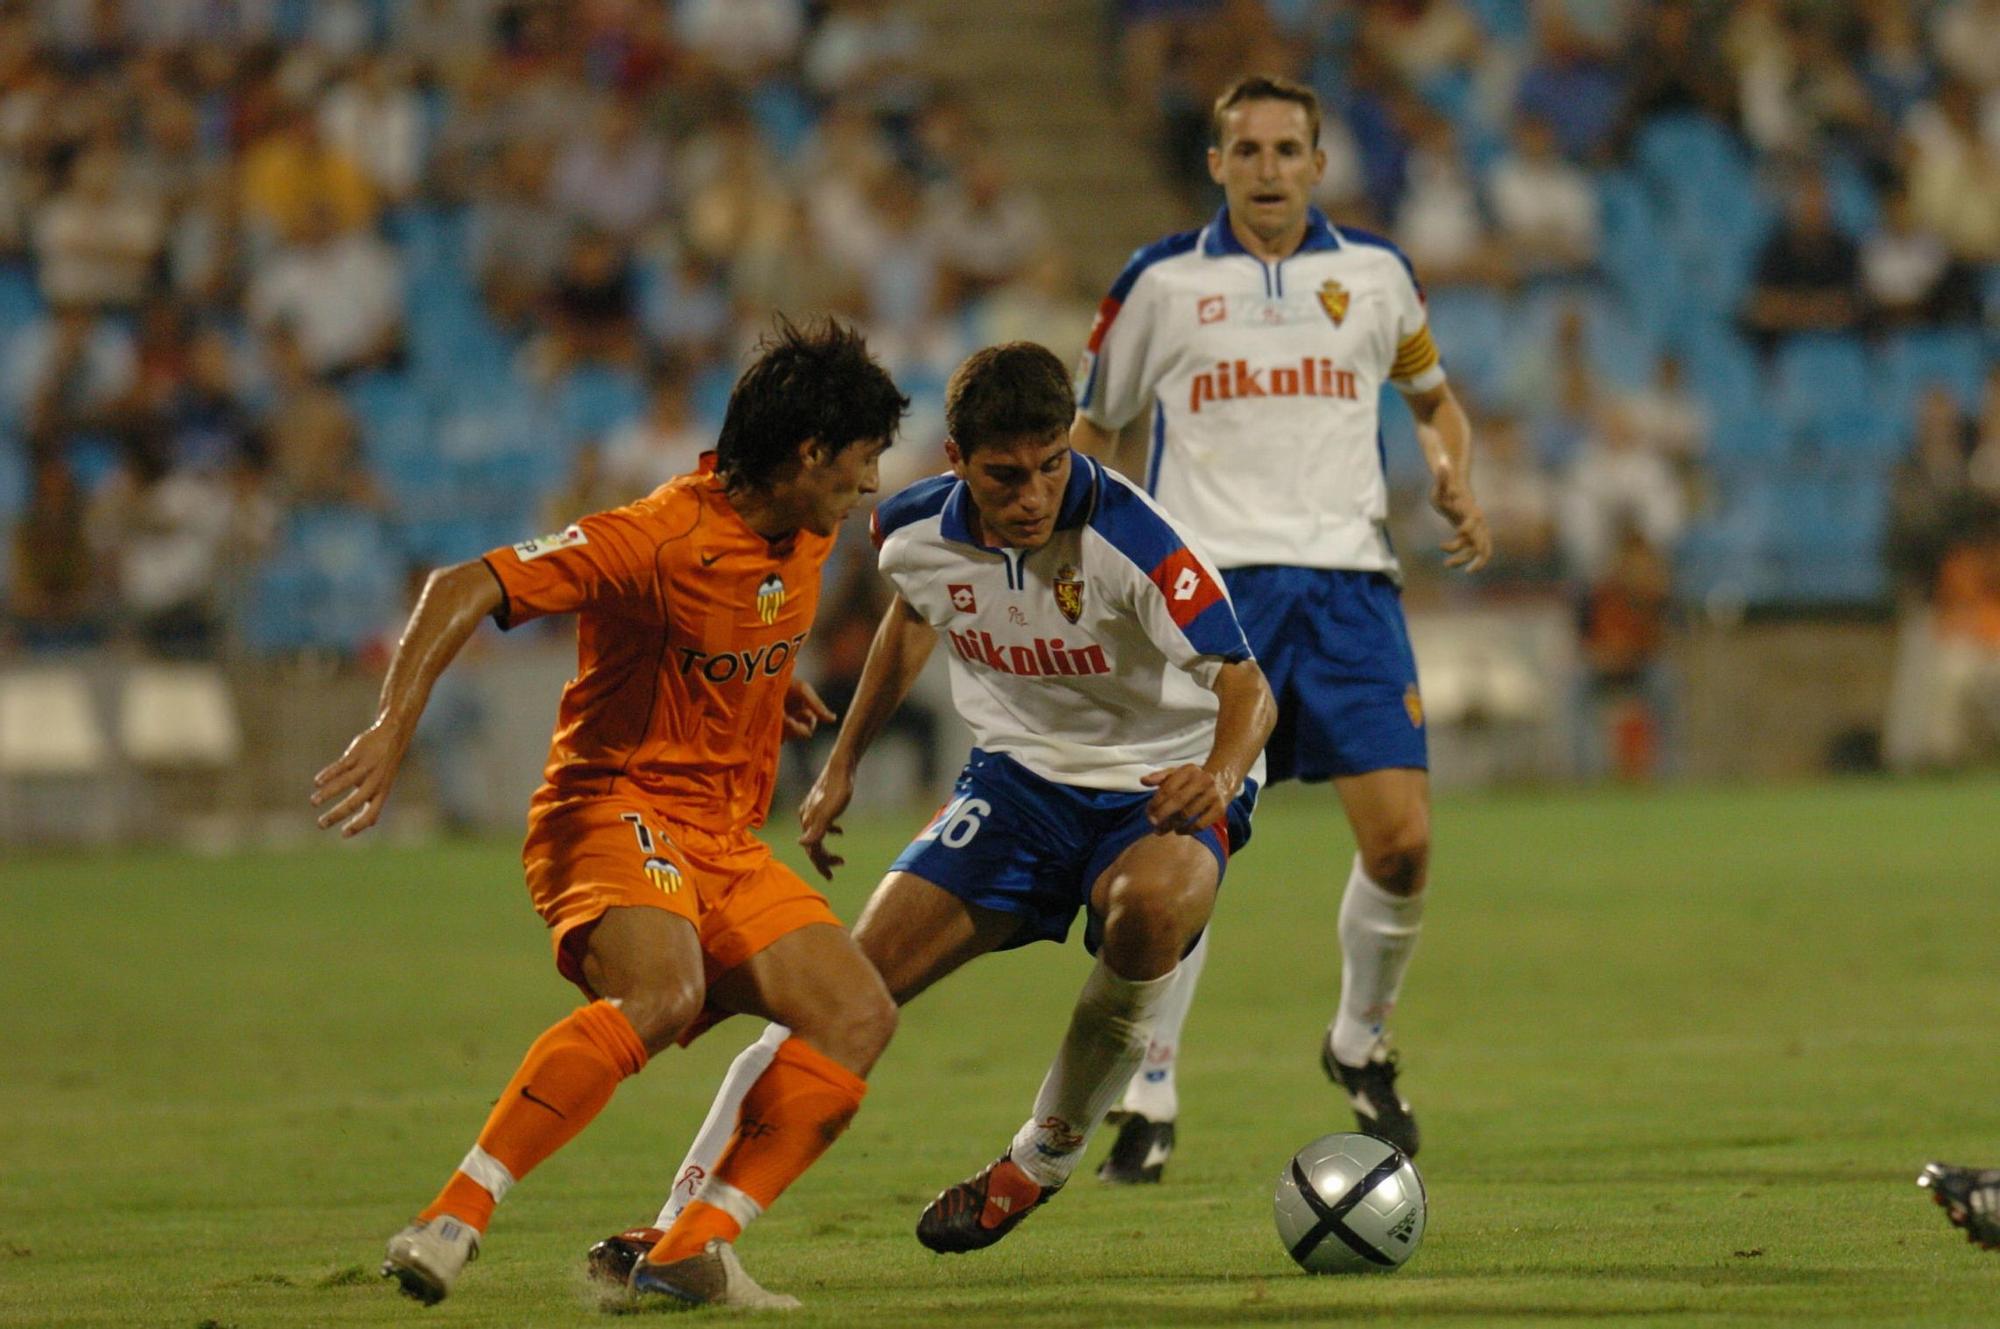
[(1107, 1038), (1151, 1092), (720, 1122), (1377, 933)]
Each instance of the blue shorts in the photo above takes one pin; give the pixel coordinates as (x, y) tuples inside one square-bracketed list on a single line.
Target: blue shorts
[(1011, 841), (1337, 654)]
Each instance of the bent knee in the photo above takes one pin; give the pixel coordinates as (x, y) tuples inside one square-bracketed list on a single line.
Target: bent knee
[(1155, 918), (1398, 860), (661, 1011), (855, 1031)]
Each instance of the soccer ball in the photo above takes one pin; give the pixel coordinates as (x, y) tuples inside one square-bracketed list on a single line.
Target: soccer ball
[(1350, 1204)]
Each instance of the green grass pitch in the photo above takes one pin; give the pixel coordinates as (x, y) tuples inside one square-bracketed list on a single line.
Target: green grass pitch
[(1678, 1056)]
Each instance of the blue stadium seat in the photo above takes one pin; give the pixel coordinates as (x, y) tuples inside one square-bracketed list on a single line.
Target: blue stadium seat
[(1726, 553), (1473, 328), (394, 422), (1682, 152), (1823, 382), (431, 239), (1504, 20), (1855, 210), (20, 299), (1745, 439), (1721, 369), (1871, 438), (15, 482), (334, 582), (1912, 361), (1828, 534), (593, 400)]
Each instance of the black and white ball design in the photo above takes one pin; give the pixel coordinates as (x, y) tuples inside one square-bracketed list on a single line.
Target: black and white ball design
[(1350, 1204)]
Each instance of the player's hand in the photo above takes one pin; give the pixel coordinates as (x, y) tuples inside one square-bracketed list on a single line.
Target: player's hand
[(1185, 799), (827, 799), (804, 711), (1471, 544), (358, 784)]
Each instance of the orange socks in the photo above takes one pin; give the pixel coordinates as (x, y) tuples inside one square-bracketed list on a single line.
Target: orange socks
[(798, 1107), (564, 1081)]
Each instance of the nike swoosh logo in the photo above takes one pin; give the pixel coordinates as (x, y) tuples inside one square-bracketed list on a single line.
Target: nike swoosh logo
[(1157, 1155), (530, 1095), (707, 559)]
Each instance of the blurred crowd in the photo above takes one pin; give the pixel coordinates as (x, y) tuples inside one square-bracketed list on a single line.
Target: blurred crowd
[(1719, 281), (296, 297)]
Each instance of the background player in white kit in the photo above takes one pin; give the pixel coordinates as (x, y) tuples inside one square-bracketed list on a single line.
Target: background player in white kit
[(1117, 716), (1260, 344)]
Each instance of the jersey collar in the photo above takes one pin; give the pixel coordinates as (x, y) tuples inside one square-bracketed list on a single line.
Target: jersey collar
[(1079, 499), (1219, 240)]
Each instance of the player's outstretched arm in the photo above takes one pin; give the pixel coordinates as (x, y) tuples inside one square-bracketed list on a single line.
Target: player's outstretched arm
[(356, 786), (1445, 434), (1187, 798), (902, 644)]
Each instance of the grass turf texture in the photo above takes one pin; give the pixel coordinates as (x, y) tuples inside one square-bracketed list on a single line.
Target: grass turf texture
[(1678, 1057)]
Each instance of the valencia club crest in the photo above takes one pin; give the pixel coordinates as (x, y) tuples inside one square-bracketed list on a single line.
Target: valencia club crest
[(1069, 592), (770, 598)]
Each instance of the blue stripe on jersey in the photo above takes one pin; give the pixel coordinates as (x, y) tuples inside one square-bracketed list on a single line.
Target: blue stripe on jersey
[(1159, 446), (923, 499), (1160, 250), (1216, 631), (1137, 530), (1080, 493), (1361, 237), (1320, 234), (1089, 383)]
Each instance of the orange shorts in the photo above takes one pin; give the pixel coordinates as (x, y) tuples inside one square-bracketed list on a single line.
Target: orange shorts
[(584, 856)]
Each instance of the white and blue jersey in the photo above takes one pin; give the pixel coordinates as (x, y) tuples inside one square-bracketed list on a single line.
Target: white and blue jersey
[(1089, 660), (1264, 383), (1080, 667)]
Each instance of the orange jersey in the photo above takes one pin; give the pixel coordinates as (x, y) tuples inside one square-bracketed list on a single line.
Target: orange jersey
[(689, 624)]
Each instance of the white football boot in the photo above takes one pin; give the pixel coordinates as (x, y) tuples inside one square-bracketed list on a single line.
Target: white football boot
[(427, 1257), (713, 1278)]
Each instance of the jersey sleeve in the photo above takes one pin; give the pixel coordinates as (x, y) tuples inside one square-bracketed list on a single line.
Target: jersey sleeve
[(1120, 366), (1416, 367), (1175, 592), (607, 561)]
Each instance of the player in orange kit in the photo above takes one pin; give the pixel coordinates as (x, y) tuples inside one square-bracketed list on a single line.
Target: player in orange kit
[(692, 605)]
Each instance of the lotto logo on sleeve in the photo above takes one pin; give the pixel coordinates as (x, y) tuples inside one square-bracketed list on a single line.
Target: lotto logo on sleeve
[(1188, 587), (962, 598), (1211, 309)]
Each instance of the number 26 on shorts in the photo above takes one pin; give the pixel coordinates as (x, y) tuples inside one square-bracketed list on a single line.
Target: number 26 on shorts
[(958, 821)]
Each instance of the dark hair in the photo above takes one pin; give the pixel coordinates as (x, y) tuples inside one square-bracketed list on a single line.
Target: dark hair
[(816, 381), (1262, 88), (1008, 391)]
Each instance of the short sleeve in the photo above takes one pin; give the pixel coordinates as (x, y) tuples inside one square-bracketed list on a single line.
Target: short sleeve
[(607, 562), (1417, 367), (1124, 359), (1176, 594)]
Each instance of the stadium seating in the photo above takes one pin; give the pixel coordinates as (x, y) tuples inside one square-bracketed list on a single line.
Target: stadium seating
[(177, 717), (1957, 358), (48, 724)]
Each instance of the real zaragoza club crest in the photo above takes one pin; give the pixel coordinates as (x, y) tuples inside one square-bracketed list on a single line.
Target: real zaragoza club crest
[(1333, 298), (663, 874), (1069, 592), (770, 598)]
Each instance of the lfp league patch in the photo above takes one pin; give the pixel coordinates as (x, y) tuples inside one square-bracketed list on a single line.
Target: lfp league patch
[(567, 538)]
